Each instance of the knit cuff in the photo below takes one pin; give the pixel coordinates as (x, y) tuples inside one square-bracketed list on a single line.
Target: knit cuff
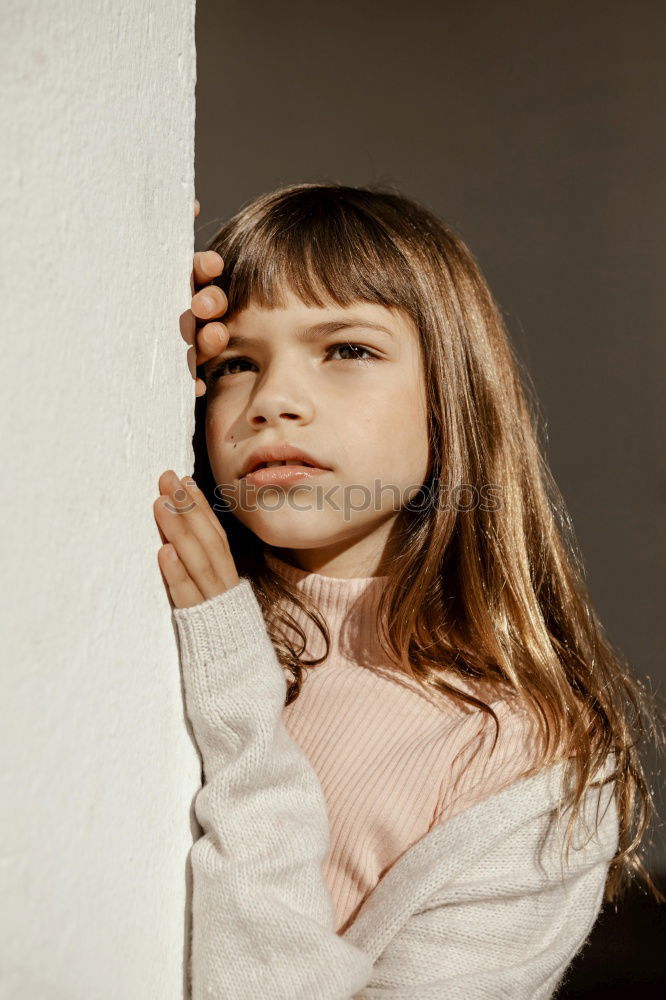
[(223, 624)]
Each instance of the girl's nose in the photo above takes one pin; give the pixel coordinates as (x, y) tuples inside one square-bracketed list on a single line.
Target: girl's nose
[(281, 396)]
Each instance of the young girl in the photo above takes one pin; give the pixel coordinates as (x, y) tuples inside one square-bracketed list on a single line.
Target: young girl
[(421, 775)]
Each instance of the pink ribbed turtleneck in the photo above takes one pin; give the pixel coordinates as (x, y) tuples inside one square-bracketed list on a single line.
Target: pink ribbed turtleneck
[(391, 760)]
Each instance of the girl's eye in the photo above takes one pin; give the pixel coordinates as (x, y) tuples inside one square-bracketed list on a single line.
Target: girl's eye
[(353, 347), (223, 368)]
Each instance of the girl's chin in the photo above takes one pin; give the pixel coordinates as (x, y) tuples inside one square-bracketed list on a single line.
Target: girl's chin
[(299, 529)]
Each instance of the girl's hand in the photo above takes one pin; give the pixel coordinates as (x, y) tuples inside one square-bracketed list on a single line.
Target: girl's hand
[(208, 304), (195, 560)]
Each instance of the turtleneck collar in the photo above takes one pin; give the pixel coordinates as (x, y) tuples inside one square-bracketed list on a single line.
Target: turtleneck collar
[(348, 606)]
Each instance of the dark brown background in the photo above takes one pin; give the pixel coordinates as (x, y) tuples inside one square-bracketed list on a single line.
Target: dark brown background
[(536, 131)]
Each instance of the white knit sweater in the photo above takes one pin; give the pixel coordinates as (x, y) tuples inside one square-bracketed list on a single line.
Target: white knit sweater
[(483, 906)]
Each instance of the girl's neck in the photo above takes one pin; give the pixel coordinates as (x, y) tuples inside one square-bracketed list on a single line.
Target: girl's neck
[(363, 560), (348, 606)]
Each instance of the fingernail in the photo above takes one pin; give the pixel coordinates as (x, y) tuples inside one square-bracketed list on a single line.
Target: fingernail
[(206, 301)]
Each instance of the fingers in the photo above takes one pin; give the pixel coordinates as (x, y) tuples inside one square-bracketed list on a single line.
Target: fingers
[(211, 339), (183, 591), (209, 303), (204, 566), (185, 498), (207, 265), (197, 494)]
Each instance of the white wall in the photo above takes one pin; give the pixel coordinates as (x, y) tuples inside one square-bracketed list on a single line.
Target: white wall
[(98, 769)]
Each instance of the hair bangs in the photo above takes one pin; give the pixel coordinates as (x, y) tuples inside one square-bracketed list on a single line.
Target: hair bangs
[(325, 251)]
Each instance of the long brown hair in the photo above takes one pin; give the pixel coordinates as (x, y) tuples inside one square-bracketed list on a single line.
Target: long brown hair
[(493, 591)]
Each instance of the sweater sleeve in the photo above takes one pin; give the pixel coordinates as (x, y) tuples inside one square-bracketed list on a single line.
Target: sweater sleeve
[(263, 921)]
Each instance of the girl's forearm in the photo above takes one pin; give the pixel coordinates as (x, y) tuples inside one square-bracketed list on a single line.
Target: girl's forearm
[(263, 918)]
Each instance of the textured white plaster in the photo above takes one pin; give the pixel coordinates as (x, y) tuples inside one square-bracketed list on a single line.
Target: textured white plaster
[(98, 769)]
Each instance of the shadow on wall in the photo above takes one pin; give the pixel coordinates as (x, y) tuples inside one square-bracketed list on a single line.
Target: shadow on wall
[(624, 956)]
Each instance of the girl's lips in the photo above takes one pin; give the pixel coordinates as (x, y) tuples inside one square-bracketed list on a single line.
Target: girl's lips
[(282, 475)]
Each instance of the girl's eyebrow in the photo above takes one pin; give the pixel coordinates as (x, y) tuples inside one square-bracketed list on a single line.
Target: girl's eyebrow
[(314, 331)]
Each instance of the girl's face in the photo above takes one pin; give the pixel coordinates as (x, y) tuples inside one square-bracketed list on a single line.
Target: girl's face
[(359, 411)]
